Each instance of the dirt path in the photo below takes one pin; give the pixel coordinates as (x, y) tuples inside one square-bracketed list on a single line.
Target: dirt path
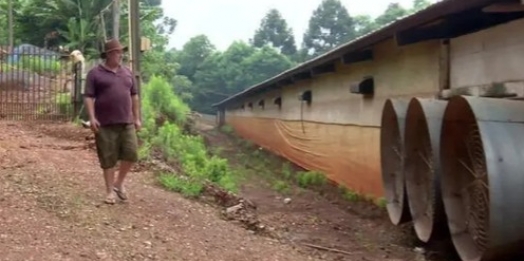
[(50, 209)]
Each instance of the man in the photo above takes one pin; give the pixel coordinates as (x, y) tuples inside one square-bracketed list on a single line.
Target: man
[(111, 100)]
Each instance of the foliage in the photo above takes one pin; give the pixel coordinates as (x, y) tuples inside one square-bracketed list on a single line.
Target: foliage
[(51, 23), (160, 102), (177, 183), (364, 24), (392, 13), (82, 25), (419, 5), (224, 73), (311, 178), (275, 32), (329, 26), (194, 53)]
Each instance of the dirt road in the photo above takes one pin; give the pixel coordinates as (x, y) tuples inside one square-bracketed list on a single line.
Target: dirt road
[(50, 209)]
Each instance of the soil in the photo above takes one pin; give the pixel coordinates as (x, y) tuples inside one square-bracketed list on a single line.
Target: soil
[(51, 208)]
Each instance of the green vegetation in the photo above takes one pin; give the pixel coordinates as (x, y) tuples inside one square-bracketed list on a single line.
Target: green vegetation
[(63, 102), (349, 194), (308, 179), (164, 116), (304, 179), (354, 196), (39, 65)]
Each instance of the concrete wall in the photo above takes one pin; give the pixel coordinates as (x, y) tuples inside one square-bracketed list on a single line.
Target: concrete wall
[(339, 132), (494, 55)]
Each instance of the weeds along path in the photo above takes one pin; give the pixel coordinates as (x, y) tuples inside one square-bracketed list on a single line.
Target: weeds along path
[(50, 209)]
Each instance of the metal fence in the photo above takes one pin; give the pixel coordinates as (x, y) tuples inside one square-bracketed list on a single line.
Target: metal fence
[(38, 84)]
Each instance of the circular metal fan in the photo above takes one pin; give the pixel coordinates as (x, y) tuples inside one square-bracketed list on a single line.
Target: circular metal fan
[(475, 190)]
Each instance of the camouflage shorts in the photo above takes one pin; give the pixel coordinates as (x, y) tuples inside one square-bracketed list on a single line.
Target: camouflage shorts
[(116, 142)]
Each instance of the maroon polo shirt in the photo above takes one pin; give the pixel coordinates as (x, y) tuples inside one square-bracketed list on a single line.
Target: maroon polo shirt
[(112, 92)]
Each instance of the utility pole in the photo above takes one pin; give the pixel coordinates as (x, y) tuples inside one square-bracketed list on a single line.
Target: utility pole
[(10, 22), (116, 19)]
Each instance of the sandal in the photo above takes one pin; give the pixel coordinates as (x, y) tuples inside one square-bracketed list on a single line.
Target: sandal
[(121, 194), (110, 200)]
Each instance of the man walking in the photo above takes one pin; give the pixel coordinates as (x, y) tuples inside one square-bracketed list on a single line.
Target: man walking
[(111, 100)]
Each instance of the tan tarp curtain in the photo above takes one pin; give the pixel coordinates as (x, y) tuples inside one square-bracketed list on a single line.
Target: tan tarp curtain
[(348, 155)]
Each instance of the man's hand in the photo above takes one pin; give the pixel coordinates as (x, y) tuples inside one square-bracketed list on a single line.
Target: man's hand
[(94, 124), (138, 124)]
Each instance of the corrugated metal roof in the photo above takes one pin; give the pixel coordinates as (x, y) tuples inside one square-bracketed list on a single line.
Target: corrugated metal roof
[(431, 13)]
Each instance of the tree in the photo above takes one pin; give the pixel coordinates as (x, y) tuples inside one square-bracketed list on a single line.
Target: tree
[(275, 32), (210, 85), (4, 12), (329, 26), (419, 5), (74, 23), (393, 12), (231, 64), (364, 24), (82, 24), (262, 65), (193, 54), (239, 67)]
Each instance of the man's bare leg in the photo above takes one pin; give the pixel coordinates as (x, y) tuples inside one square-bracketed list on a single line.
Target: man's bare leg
[(125, 167), (109, 177)]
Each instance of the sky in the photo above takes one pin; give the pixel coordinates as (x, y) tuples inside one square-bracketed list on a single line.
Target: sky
[(225, 21)]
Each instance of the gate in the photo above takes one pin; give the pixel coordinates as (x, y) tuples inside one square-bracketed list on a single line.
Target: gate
[(38, 84)]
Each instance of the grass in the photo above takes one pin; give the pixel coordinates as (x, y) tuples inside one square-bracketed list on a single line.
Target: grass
[(176, 183), (308, 179), (282, 187)]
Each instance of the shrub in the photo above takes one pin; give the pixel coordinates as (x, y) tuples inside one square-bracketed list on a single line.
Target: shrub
[(164, 115)]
